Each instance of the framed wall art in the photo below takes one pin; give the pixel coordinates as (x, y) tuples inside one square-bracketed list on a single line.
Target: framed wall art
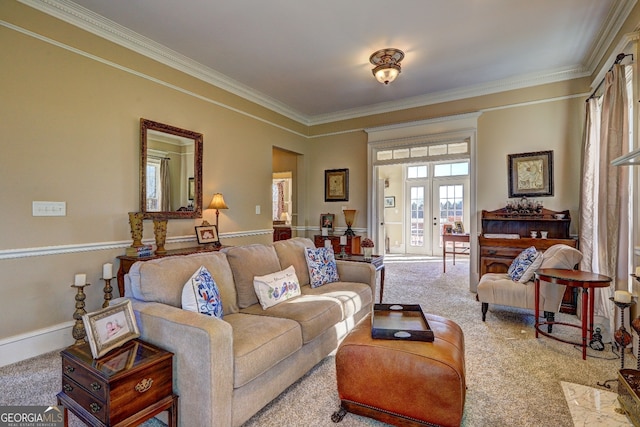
[(389, 201), (336, 185), (110, 328), (531, 174)]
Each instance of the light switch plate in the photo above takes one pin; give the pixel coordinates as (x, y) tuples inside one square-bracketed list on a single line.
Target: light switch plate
[(49, 208)]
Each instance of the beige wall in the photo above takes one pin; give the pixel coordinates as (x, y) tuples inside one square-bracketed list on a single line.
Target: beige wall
[(70, 133)]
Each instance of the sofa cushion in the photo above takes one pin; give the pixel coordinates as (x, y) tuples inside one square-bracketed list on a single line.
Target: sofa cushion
[(353, 296), (322, 266), (247, 262), (276, 287), (291, 252), (314, 313), (259, 343), (524, 265), (162, 279), (201, 295)]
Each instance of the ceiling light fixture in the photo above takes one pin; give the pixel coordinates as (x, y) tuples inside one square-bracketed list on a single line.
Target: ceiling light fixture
[(387, 64)]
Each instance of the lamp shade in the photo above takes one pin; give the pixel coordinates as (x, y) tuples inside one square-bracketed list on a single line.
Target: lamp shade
[(218, 202), (349, 216)]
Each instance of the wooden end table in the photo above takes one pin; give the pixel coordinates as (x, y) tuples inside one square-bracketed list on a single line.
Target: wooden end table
[(124, 388), (453, 238), (575, 279)]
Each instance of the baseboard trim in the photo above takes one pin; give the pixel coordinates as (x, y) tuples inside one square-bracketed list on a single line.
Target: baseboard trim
[(24, 346)]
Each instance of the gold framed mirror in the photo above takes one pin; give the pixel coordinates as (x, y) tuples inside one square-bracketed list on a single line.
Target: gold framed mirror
[(170, 171)]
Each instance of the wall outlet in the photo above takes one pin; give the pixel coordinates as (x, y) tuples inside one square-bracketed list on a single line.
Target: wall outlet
[(257, 209), (49, 208)]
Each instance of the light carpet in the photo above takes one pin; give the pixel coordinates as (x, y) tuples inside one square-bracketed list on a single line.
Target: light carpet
[(513, 379)]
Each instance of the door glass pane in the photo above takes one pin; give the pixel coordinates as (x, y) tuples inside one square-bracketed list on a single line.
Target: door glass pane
[(451, 203), (417, 216)]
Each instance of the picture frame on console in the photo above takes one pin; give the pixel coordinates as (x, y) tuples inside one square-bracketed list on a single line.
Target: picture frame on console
[(531, 174), (207, 234), (326, 221), (110, 328)]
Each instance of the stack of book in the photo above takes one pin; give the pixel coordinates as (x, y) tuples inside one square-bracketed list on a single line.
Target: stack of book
[(142, 251)]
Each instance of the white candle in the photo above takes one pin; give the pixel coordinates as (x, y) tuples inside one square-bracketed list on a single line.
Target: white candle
[(327, 243), (622, 296), (638, 271), (81, 279), (325, 231), (107, 271), (343, 240)]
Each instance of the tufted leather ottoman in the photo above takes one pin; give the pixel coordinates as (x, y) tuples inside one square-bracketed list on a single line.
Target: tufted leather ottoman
[(405, 383)]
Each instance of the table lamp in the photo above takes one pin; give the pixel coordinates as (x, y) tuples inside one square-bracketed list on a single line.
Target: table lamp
[(349, 218), (218, 203)]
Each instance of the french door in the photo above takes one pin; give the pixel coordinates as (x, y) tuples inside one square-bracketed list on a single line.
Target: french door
[(450, 204), (418, 212), (430, 204)]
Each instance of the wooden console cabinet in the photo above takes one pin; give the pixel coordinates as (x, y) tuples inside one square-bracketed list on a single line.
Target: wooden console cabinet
[(353, 243), (496, 254), (281, 232)]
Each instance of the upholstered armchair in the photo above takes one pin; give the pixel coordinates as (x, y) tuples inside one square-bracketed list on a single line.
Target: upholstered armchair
[(502, 289)]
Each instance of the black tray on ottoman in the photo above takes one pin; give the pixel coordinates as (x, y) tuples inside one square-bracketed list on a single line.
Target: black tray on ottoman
[(400, 322)]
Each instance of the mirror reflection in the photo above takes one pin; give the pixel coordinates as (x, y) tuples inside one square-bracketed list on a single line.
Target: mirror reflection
[(170, 171)]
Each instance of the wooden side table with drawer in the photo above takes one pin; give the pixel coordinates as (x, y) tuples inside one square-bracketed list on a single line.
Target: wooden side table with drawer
[(124, 388)]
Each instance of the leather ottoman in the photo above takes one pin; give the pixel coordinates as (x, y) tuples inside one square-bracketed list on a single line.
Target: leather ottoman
[(404, 383)]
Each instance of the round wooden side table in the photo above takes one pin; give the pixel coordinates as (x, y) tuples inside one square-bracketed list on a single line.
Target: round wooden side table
[(576, 279)]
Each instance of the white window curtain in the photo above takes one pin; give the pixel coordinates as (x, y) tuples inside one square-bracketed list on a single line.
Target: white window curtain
[(165, 182), (604, 219)]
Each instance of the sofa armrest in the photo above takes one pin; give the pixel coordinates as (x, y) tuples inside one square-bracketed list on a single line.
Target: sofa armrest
[(359, 272), (203, 361)]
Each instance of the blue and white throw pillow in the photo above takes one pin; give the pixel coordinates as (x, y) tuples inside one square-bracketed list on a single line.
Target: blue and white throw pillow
[(322, 266), (275, 288), (524, 266), (201, 294)]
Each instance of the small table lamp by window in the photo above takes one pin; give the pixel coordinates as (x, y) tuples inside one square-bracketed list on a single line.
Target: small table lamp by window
[(218, 203)]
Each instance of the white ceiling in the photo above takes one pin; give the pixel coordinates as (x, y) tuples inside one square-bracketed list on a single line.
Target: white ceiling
[(310, 59)]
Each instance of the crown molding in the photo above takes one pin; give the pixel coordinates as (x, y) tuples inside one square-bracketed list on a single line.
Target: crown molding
[(87, 20)]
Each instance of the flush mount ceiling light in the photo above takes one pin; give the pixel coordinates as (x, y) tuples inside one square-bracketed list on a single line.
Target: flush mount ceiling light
[(387, 64)]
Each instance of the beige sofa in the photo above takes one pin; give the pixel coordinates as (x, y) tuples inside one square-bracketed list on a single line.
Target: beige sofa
[(225, 370)]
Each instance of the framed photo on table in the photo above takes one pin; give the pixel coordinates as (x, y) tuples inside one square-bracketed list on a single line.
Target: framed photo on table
[(207, 234), (531, 174), (326, 221), (336, 185), (110, 328)]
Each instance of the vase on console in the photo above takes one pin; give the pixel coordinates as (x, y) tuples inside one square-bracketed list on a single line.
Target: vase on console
[(160, 231), (135, 221)]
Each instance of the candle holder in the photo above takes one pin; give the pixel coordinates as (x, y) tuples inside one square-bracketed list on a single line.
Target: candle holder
[(343, 253), (108, 289), (79, 332), (622, 336)]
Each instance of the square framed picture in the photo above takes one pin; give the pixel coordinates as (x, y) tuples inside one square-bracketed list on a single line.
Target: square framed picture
[(326, 221), (531, 174), (458, 228), (336, 185), (389, 201), (207, 234), (110, 328)]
